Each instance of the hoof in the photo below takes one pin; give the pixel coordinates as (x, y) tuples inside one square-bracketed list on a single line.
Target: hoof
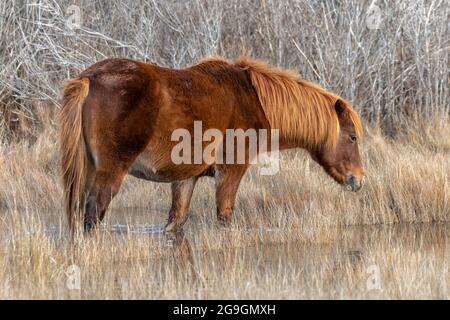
[(223, 221), (89, 227), (173, 227)]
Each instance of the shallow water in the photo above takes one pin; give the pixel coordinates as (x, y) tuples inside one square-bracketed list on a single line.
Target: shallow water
[(384, 261)]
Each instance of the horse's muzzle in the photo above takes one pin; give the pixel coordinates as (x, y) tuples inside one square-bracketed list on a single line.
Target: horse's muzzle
[(354, 184)]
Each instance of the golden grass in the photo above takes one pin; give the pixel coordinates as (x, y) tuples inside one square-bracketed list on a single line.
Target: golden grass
[(294, 235)]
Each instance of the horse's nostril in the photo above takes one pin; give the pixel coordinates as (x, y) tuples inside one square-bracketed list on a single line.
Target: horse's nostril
[(352, 182), (351, 179)]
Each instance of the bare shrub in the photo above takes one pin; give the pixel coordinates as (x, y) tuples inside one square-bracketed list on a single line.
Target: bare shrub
[(398, 67)]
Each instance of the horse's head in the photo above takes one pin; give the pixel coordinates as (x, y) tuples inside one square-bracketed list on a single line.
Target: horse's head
[(343, 160)]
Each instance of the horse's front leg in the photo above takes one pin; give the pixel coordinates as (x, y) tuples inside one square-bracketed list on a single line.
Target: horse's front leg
[(181, 198), (228, 178)]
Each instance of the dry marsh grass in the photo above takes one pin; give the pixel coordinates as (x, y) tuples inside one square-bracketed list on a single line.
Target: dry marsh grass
[(387, 64), (294, 235)]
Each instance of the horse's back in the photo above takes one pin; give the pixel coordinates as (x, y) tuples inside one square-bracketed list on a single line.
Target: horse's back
[(133, 108)]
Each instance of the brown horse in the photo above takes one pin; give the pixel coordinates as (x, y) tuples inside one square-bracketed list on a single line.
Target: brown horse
[(118, 117)]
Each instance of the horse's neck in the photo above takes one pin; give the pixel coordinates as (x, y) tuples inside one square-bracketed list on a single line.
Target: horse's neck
[(285, 144)]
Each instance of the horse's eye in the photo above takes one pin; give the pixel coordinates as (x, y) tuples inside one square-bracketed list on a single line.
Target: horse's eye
[(353, 138)]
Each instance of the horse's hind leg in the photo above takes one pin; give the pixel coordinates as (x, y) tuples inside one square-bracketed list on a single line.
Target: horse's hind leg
[(105, 187), (181, 198)]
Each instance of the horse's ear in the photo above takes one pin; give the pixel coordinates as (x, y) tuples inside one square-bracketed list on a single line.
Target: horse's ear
[(339, 106)]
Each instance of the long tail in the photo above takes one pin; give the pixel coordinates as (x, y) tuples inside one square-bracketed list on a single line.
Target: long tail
[(74, 154)]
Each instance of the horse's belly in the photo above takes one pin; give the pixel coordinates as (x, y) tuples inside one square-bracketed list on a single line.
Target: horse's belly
[(154, 166), (141, 170)]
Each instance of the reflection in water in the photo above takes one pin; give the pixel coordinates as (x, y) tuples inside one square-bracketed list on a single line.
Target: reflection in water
[(182, 253), (350, 242), (343, 261), (140, 229), (176, 242), (253, 262), (180, 244)]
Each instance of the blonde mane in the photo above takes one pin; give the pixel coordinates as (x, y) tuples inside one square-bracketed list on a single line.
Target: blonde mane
[(301, 110)]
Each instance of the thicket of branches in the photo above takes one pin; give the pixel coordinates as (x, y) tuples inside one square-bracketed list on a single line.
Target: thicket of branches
[(400, 67)]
